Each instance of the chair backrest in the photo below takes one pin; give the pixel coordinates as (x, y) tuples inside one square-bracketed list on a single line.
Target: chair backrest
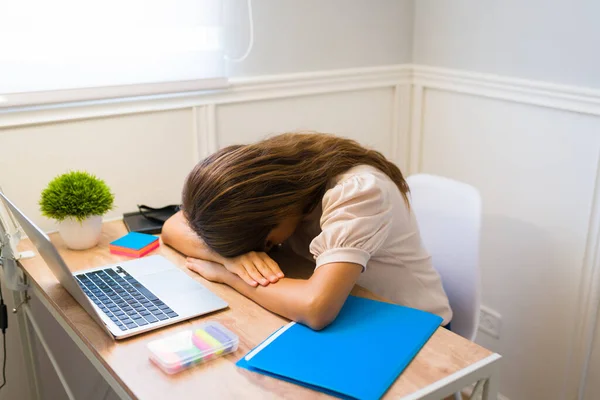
[(448, 213)]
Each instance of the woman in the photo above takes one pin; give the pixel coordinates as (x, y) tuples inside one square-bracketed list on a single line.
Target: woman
[(341, 205)]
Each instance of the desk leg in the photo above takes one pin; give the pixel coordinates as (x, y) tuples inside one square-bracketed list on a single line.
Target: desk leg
[(490, 386), (490, 389)]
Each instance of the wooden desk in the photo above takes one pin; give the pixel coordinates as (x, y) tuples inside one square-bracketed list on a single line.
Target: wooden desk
[(446, 363)]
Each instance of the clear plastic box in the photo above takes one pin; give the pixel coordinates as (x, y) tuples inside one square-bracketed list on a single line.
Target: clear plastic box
[(194, 346)]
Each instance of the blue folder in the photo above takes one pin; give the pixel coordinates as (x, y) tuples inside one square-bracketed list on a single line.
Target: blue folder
[(358, 356)]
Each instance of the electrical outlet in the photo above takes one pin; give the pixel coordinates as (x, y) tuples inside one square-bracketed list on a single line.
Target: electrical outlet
[(490, 322)]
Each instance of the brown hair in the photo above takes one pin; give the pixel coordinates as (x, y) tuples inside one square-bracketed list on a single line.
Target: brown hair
[(236, 196)]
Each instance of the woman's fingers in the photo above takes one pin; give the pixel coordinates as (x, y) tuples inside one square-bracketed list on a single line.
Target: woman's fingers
[(246, 277), (255, 268), (264, 268), (193, 267), (251, 269), (274, 267), (208, 270)]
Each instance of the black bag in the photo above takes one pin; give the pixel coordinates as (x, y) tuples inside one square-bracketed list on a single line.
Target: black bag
[(149, 220)]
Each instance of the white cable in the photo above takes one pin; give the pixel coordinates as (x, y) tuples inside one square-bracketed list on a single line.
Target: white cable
[(251, 32)]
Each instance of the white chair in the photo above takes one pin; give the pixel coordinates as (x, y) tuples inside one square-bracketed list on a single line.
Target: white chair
[(449, 216)]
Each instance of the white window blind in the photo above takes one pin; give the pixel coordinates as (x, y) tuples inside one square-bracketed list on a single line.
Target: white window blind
[(72, 50)]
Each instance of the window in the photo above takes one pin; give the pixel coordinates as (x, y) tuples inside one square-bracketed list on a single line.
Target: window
[(71, 50)]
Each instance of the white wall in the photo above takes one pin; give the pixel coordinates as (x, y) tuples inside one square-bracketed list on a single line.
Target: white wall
[(144, 158), (536, 168), (349, 114), (554, 41), (535, 158), (312, 35)]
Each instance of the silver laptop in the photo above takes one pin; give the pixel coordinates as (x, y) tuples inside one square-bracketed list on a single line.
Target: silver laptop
[(130, 297)]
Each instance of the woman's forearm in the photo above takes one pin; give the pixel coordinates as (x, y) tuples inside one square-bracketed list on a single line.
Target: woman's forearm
[(315, 302), (290, 298), (177, 234)]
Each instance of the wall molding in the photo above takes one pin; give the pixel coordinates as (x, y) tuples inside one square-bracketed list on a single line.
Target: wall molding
[(239, 90), (401, 125), (204, 135), (415, 142), (562, 97)]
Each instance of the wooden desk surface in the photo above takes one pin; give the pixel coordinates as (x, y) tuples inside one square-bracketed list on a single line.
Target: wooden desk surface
[(127, 360)]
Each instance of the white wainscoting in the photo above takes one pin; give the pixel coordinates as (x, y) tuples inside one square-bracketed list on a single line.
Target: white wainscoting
[(364, 115), (532, 148), (142, 157), (143, 148)]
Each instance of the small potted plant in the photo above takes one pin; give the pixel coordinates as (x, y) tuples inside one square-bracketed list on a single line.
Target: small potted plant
[(77, 200)]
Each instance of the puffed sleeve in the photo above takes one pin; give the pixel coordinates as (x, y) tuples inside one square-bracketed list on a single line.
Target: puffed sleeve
[(355, 222)]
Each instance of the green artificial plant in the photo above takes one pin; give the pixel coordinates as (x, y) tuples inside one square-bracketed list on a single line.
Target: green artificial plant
[(76, 194)]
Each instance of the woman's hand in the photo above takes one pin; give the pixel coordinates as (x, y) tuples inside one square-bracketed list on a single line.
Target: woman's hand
[(254, 268), (209, 270)]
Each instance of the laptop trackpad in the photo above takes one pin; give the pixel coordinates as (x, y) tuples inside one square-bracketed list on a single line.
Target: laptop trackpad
[(180, 292), (168, 283)]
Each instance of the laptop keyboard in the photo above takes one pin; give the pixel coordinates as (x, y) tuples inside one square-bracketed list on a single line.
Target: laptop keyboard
[(128, 303)]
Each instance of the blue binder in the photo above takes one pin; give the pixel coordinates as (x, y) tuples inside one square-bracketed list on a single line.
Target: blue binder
[(358, 356)]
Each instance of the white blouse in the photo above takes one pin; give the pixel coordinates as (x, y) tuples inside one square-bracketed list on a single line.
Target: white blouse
[(363, 219)]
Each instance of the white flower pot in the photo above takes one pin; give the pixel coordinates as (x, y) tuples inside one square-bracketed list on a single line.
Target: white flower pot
[(81, 235)]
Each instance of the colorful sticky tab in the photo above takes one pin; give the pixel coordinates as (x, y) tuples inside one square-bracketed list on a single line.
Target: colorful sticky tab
[(199, 344), (219, 335), (201, 338)]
